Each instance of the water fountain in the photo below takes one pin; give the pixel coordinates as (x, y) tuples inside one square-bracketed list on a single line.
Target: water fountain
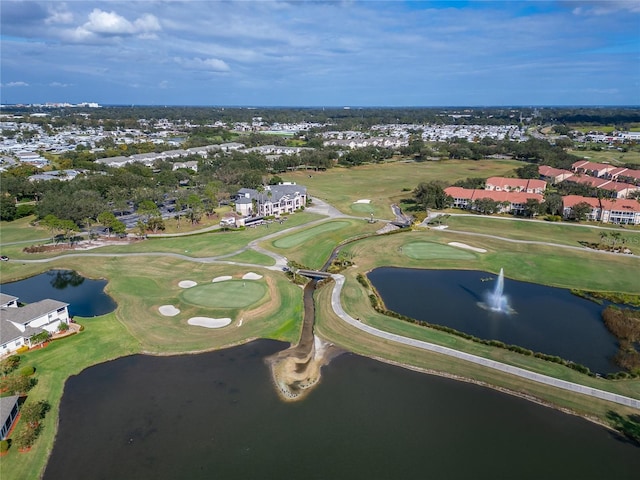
[(496, 301)]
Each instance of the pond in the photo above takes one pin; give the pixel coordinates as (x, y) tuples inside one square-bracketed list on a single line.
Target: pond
[(543, 319), (86, 297), (217, 416)]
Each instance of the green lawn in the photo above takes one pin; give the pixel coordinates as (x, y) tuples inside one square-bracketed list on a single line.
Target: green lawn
[(296, 239), (226, 294), (389, 183), (541, 231), (20, 230), (312, 246), (430, 250)]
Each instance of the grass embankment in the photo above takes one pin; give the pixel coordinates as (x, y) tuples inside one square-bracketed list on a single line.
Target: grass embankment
[(104, 338), (21, 231), (541, 231), (389, 183), (324, 238)]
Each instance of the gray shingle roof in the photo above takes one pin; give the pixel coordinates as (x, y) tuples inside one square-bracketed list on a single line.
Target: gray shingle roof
[(5, 298), (32, 311)]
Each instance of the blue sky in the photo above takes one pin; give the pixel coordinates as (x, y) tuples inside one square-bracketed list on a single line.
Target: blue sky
[(317, 53)]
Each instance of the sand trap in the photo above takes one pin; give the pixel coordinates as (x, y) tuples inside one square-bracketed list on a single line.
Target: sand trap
[(222, 278), (441, 227), (251, 276), (187, 284), (208, 322), (468, 247), (169, 310), (363, 200)]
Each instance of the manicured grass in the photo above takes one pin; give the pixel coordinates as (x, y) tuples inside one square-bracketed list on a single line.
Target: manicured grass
[(362, 208), (389, 183), (313, 247), (226, 294), (541, 231), (530, 263), (430, 250), (308, 234), (20, 230), (251, 256)]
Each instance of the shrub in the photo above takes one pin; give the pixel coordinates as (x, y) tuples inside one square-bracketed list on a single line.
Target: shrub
[(26, 436), (63, 327), (4, 446), (27, 371), (553, 218), (22, 349), (9, 364)]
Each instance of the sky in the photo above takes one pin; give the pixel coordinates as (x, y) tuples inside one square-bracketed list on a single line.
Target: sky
[(321, 53)]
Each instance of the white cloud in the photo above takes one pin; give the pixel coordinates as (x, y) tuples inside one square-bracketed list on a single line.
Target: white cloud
[(111, 24), (60, 85), (207, 64), (15, 84), (59, 15)]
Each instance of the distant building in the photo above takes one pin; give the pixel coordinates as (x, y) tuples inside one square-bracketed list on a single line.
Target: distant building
[(509, 202)]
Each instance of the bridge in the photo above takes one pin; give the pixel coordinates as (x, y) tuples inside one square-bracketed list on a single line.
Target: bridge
[(313, 273)]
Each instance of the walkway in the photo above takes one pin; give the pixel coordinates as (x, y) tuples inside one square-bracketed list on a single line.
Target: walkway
[(520, 372)]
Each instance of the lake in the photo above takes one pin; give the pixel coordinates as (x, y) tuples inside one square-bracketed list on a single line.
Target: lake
[(546, 319), (86, 297), (217, 416)]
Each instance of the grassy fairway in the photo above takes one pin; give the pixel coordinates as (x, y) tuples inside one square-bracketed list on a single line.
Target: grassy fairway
[(390, 182), (305, 236), (20, 230), (312, 247), (541, 231), (530, 263), (613, 157), (227, 294), (104, 338), (430, 250)]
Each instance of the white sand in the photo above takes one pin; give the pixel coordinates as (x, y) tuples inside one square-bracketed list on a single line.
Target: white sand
[(468, 247), (251, 276), (363, 200), (169, 310), (222, 278), (187, 284), (441, 227), (208, 322)]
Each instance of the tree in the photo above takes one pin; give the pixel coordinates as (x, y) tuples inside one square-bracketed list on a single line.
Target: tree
[(528, 171), (485, 205), (431, 195), (580, 211), (195, 207), (7, 208), (67, 227), (33, 412), (107, 219), (52, 223), (532, 207), (553, 203)]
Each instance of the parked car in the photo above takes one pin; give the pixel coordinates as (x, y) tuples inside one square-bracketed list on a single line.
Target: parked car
[(4, 258)]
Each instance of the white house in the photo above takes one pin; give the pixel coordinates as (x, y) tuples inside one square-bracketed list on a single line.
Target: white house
[(274, 200), (19, 324)]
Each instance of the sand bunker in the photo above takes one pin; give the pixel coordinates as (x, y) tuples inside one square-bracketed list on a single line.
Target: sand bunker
[(468, 247), (169, 310), (363, 200), (187, 284), (208, 322), (222, 278), (251, 276)]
